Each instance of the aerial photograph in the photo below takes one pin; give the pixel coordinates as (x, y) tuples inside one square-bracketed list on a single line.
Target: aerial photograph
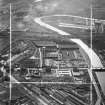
[(52, 52)]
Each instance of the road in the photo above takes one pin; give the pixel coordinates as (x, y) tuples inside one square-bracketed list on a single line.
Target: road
[(95, 60)]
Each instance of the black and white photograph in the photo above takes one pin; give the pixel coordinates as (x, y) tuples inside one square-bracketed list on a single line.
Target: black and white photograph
[(52, 52)]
